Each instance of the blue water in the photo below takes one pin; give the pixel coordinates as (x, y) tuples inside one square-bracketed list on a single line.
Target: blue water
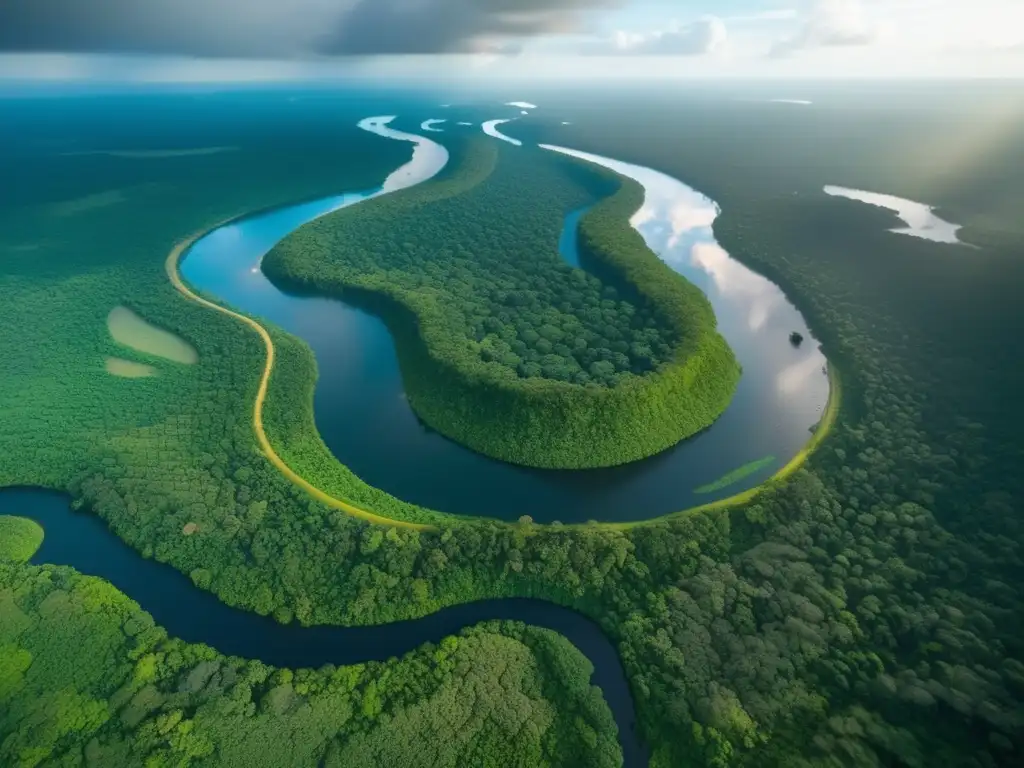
[(568, 243), (366, 422)]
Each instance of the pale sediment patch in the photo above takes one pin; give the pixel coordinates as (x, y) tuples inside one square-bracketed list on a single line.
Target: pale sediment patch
[(87, 203), (127, 369), (153, 154), (129, 329), (21, 247)]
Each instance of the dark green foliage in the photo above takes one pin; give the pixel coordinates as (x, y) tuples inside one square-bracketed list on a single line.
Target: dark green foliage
[(503, 346), (901, 534), (86, 678)]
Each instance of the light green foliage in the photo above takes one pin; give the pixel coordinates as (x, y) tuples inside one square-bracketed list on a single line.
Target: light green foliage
[(503, 346), (501, 694), (19, 538), (730, 478)]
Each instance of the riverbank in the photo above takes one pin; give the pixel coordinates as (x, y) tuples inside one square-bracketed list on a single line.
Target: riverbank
[(821, 431), (173, 259), (354, 471)]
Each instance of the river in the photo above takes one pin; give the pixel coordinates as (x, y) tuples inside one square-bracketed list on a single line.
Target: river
[(83, 541), (366, 422), (364, 419)]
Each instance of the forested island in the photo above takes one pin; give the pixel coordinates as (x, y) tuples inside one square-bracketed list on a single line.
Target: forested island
[(503, 346)]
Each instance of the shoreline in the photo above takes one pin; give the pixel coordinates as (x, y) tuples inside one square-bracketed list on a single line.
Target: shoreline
[(172, 263)]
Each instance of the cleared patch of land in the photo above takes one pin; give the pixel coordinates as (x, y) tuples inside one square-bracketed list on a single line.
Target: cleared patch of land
[(127, 369), (129, 329)]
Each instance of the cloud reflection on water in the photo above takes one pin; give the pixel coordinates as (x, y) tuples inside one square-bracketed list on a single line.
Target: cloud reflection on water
[(920, 218), (793, 379), (428, 157), (676, 222), (491, 129), (735, 281), (753, 313)]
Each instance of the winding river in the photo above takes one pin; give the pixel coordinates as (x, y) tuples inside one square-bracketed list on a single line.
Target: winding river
[(366, 422), (83, 541)]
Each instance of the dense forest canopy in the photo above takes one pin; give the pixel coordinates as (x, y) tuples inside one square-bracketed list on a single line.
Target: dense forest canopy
[(504, 345), (485, 253), (865, 613), (86, 678)]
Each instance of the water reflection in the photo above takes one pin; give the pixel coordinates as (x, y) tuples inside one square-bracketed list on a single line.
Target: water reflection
[(491, 129), (920, 219), (428, 125), (676, 223), (746, 289), (428, 157)]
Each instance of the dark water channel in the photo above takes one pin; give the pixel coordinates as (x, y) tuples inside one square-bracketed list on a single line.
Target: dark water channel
[(82, 541), (366, 422)]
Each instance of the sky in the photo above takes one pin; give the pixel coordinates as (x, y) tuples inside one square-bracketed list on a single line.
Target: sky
[(279, 40)]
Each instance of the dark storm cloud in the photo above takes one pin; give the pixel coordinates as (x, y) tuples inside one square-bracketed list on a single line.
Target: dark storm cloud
[(275, 28)]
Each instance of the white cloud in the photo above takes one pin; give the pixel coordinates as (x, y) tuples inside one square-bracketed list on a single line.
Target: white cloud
[(830, 23), (779, 14), (705, 36), (163, 69), (45, 66), (979, 26)]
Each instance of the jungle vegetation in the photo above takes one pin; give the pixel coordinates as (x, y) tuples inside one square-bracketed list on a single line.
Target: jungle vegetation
[(867, 612), (19, 538), (503, 346), (87, 679)]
